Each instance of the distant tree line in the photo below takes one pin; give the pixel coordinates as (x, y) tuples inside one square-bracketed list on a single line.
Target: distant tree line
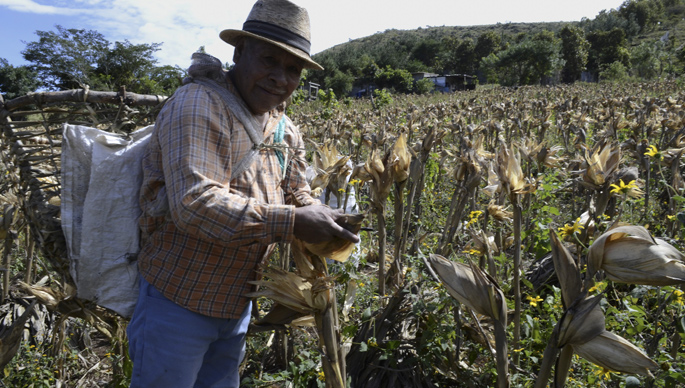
[(642, 39), (77, 58), (639, 39)]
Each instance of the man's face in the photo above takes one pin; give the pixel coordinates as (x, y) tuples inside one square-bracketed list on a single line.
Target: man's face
[(265, 75)]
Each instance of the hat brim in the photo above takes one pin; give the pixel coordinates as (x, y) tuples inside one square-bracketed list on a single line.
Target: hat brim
[(231, 36)]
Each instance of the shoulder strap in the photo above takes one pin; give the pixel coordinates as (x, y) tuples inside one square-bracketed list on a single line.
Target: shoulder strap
[(279, 134), (242, 113)]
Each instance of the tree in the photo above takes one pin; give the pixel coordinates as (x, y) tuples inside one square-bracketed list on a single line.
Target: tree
[(65, 59), (367, 71), (72, 58), (16, 81), (645, 61), (487, 43), (613, 72), (607, 47), (426, 52), (465, 57), (574, 51), (161, 80), (398, 79), (490, 68), (525, 63), (607, 21), (126, 64), (645, 13), (340, 83)]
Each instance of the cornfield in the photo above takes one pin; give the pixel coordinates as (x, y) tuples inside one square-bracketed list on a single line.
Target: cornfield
[(510, 237)]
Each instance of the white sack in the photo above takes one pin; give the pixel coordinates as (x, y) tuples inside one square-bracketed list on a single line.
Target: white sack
[(101, 179)]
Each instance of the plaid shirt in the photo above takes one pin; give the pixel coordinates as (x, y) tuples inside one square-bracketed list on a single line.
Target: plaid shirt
[(202, 254)]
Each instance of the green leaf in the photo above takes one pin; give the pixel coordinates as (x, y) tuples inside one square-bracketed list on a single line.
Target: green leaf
[(527, 283), (366, 315), (678, 198), (363, 347)]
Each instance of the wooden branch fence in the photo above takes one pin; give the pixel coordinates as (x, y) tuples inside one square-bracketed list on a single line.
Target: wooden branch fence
[(30, 151)]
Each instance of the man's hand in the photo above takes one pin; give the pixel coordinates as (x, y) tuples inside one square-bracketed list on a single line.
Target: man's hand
[(319, 223)]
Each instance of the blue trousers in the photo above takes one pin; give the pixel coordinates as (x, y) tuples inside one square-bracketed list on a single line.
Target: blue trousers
[(172, 347)]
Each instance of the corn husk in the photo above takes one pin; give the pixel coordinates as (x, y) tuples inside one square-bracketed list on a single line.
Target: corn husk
[(283, 315), (303, 295), (566, 269), (331, 169), (339, 249), (494, 186), (581, 322), (474, 288), (599, 164), (615, 353), (629, 254), (385, 170), (482, 242), (381, 178), (320, 180), (582, 329), (500, 213), (400, 158), (510, 174), (548, 156), (471, 286)]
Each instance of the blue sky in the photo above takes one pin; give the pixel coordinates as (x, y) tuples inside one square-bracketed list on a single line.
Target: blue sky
[(184, 25)]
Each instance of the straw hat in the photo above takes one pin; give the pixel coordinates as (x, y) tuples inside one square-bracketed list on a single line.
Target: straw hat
[(278, 22)]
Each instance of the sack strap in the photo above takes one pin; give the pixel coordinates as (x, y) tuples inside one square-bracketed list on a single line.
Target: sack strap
[(242, 113)]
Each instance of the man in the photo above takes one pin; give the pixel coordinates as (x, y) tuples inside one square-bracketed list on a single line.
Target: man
[(204, 232)]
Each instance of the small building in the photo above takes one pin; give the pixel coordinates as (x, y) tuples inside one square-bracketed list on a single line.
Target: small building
[(421, 75), (448, 83)]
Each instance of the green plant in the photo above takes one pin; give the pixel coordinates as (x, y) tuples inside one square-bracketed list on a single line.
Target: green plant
[(381, 98), (329, 103), (614, 72), (424, 86), (35, 366)]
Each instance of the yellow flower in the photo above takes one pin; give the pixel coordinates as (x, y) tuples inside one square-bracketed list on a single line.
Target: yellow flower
[(603, 373), (671, 218), (597, 287), (321, 376), (473, 217), (473, 252), (630, 189), (475, 214), (568, 230), (534, 300), (654, 153), (679, 297)]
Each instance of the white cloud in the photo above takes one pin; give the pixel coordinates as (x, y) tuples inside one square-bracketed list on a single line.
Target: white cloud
[(33, 7), (181, 26)]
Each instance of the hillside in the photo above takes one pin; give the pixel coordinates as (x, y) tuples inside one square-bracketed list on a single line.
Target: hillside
[(633, 36), (371, 43)]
